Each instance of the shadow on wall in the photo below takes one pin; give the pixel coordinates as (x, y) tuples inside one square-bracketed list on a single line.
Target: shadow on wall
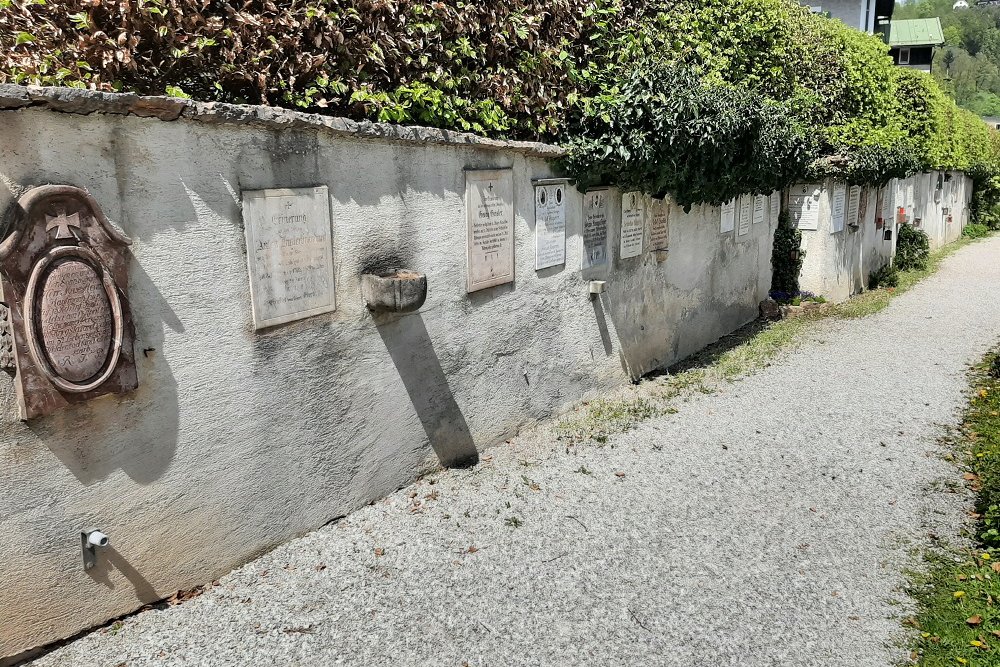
[(140, 437), (409, 344), (110, 559)]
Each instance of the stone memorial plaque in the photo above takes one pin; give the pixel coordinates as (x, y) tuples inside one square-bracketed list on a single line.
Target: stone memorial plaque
[(659, 232), (633, 225), (775, 207), (854, 206), (803, 205), (595, 229), (760, 204), (550, 225), (745, 215), (838, 207), (289, 254), (65, 290), (489, 208), (728, 223)]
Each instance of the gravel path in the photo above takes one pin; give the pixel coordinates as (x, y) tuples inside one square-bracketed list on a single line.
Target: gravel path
[(765, 524)]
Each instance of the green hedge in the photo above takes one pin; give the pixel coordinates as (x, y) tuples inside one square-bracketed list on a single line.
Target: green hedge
[(701, 99)]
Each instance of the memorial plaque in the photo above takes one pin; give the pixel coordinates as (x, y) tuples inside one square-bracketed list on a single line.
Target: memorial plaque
[(595, 229), (803, 205), (838, 207), (489, 208), (659, 231), (728, 222), (633, 225), (775, 207), (746, 212), (65, 279), (854, 206), (550, 225), (289, 254), (760, 204)]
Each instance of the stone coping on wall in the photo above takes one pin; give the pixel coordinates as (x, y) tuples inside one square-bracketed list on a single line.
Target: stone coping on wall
[(82, 101)]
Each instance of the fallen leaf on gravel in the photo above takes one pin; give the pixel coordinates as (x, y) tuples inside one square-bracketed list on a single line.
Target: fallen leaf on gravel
[(619, 474), (974, 620), (321, 567), (306, 629), (433, 495), (379, 551), (972, 477), (473, 549)]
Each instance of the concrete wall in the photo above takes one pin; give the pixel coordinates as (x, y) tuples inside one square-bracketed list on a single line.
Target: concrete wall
[(838, 264), (236, 441)]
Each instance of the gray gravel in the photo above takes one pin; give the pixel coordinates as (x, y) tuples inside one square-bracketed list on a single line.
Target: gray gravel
[(766, 524)]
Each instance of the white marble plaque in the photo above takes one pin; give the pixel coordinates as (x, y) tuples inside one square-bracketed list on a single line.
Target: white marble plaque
[(595, 229), (728, 222), (489, 208), (633, 225), (775, 207), (550, 225), (838, 207), (803, 204), (760, 204), (659, 232), (289, 254), (746, 211), (854, 205)]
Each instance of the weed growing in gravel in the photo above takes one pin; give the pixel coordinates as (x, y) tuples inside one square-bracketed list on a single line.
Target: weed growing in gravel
[(606, 417), (959, 593), (513, 522)]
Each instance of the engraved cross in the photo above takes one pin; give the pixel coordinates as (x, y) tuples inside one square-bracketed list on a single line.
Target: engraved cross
[(62, 223), (491, 188)]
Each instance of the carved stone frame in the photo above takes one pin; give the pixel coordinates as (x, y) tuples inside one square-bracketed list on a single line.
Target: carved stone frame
[(27, 257)]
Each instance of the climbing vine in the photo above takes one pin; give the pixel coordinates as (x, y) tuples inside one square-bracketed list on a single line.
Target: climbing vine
[(786, 256)]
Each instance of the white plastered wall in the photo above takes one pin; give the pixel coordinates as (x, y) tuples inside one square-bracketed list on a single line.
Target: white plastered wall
[(236, 441)]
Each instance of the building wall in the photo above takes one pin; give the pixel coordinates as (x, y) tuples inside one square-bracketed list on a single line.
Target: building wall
[(238, 440), (848, 11)]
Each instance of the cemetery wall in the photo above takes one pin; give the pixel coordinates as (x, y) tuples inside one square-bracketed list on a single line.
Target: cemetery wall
[(241, 436), (839, 256)]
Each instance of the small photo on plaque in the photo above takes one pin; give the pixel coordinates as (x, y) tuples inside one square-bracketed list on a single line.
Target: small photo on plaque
[(289, 254), (550, 225)]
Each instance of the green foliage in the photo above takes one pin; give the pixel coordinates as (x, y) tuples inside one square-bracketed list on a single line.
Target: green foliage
[(975, 231), (887, 276), (787, 256), (643, 137), (699, 99), (913, 249)]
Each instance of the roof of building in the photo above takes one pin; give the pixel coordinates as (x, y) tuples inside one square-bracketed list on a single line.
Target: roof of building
[(916, 32)]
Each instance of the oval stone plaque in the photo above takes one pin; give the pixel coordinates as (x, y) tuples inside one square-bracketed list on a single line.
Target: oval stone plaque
[(76, 323)]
